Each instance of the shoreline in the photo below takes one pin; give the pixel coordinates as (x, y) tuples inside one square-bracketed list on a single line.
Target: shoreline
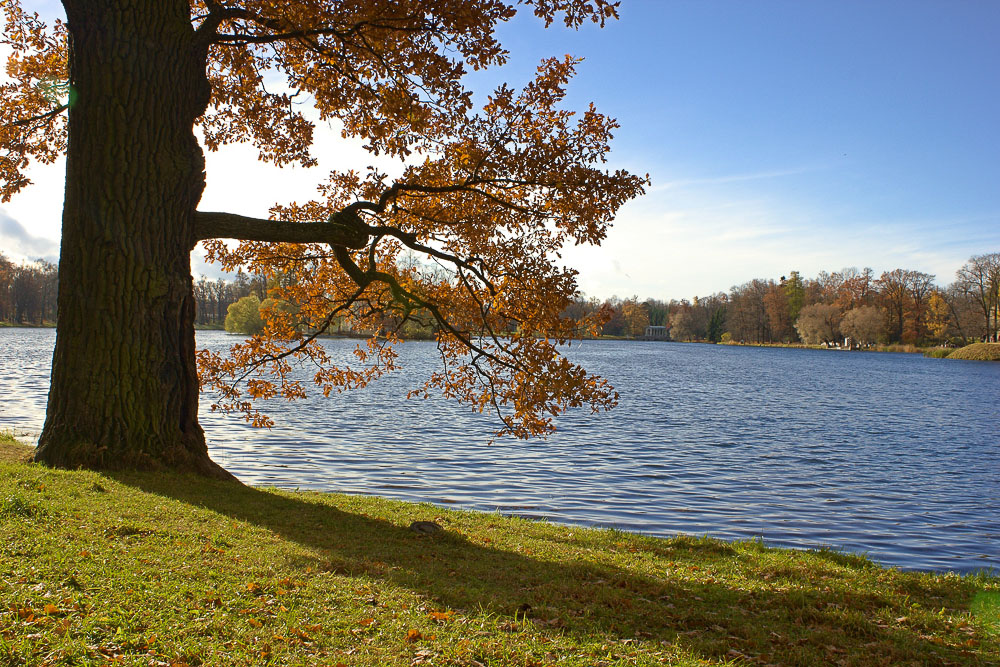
[(214, 572), (899, 348), (29, 441)]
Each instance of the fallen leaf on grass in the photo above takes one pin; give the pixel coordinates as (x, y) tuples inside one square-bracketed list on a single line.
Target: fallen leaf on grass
[(441, 615), (422, 657), (413, 635)]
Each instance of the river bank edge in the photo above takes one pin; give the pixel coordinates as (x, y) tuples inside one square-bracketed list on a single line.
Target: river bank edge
[(936, 352), (159, 566)]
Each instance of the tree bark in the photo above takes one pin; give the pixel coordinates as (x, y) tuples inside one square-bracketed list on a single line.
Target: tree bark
[(343, 229), (124, 390)]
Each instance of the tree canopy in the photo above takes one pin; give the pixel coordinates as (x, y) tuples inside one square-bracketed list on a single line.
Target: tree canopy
[(488, 197)]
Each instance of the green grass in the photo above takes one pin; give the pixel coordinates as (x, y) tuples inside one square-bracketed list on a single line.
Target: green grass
[(47, 324), (163, 569)]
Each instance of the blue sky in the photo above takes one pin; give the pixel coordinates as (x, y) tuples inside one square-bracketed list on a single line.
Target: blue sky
[(779, 136)]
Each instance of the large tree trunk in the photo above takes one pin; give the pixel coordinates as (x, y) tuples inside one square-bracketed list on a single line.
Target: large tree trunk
[(124, 390)]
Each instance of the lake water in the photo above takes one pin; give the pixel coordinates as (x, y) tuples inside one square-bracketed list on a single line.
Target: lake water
[(892, 455)]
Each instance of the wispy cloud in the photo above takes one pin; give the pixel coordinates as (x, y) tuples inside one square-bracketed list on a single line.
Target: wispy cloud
[(732, 178), (704, 242), (19, 243)]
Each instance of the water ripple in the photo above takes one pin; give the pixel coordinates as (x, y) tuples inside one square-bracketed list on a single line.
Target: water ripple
[(892, 455)]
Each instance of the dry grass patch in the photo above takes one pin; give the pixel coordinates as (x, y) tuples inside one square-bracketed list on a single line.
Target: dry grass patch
[(978, 352)]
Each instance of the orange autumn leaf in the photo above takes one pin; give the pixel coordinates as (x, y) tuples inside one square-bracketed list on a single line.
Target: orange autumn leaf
[(485, 199), (51, 609), (441, 615), (413, 636)]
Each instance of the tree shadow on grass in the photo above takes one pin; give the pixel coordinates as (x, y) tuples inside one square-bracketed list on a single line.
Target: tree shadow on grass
[(713, 618)]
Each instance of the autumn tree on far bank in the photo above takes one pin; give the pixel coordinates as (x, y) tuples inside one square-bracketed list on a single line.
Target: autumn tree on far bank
[(864, 324), (244, 317), (636, 317), (980, 279), (818, 323), (27, 292), (491, 196)]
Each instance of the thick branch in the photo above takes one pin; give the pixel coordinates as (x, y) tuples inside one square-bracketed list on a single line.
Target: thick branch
[(365, 278), (44, 118), (343, 229)]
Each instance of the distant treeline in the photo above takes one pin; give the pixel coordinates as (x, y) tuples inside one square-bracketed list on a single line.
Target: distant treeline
[(213, 297), (27, 292), (898, 306)]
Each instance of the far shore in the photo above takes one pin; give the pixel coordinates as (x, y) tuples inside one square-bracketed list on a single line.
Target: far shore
[(984, 351)]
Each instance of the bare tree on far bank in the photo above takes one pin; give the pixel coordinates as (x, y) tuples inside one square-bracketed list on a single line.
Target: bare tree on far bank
[(979, 279), (901, 306), (898, 306), (27, 292)]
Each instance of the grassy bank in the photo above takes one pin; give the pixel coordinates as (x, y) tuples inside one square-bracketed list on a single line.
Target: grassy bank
[(977, 352), (161, 569), (798, 346), (895, 347), (14, 325)]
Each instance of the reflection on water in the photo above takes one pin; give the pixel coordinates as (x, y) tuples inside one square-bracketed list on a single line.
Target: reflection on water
[(893, 455)]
